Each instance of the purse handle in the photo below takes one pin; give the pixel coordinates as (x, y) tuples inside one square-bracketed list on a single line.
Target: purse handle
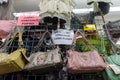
[(114, 45), (78, 34), (10, 39), (41, 40), (20, 41), (103, 49)]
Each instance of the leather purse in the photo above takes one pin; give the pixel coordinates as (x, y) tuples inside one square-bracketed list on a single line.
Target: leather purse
[(112, 72), (84, 62), (14, 61), (41, 61), (6, 26)]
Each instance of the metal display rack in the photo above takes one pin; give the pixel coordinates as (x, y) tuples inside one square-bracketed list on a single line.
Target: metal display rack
[(114, 30), (31, 36)]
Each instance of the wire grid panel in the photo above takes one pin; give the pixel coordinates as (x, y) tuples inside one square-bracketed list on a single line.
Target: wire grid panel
[(28, 76), (51, 76), (95, 76), (31, 37)]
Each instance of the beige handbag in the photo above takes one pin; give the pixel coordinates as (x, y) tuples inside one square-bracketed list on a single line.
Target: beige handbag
[(44, 60)]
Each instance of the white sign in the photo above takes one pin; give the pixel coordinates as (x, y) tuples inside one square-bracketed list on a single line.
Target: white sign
[(63, 37)]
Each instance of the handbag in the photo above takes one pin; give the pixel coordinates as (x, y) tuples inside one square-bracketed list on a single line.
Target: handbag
[(112, 72), (44, 61), (14, 61), (84, 62), (6, 27)]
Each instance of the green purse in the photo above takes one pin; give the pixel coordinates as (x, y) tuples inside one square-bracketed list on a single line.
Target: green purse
[(112, 72), (109, 74)]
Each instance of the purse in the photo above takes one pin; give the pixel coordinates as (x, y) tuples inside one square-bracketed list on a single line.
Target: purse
[(43, 61), (14, 61), (84, 62), (112, 72), (6, 27)]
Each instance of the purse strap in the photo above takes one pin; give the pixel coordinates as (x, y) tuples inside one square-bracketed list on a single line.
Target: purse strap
[(78, 35), (115, 46), (41, 40), (20, 41), (103, 49)]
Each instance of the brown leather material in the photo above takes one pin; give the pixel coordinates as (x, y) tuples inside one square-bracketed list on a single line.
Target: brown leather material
[(84, 62)]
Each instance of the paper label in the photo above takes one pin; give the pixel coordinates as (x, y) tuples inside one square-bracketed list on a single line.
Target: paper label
[(28, 21), (63, 37)]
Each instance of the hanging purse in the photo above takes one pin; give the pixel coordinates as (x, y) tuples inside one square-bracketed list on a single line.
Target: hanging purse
[(112, 72), (14, 61), (5, 27), (84, 62), (44, 61)]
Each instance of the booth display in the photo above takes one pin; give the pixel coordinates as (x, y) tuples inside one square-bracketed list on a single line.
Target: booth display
[(47, 45)]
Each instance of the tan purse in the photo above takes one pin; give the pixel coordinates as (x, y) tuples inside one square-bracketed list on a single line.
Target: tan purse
[(84, 62), (44, 61)]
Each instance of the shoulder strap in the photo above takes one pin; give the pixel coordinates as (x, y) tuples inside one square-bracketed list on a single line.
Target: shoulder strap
[(41, 40), (16, 34), (114, 45), (103, 49), (79, 34)]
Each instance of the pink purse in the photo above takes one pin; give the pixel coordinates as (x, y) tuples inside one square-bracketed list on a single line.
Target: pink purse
[(5, 27), (84, 62)]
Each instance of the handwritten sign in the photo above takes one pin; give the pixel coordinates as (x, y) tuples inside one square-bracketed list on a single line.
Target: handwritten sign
[(63, 37), (28, 21)]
